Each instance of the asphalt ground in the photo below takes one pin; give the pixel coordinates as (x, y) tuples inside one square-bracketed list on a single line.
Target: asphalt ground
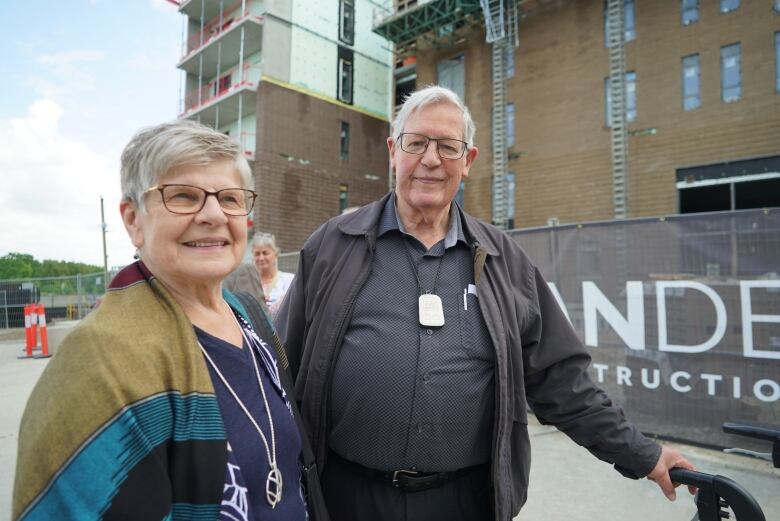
[(567, 483)]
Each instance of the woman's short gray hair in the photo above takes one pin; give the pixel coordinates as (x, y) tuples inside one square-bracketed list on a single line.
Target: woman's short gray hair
[(431, 95), (262, 240), (154, 151)]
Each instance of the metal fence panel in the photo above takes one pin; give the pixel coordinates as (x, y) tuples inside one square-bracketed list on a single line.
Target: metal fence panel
[(681, 315), (64, 297)]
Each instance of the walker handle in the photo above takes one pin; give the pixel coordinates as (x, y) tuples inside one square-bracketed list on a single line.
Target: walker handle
[(718, 492)]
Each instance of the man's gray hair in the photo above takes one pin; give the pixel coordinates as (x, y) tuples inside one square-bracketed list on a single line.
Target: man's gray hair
[(431, 95), (154, 151), (262, 239)]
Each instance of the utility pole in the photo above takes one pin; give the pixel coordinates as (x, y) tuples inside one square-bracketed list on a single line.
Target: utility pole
[(105, 255)]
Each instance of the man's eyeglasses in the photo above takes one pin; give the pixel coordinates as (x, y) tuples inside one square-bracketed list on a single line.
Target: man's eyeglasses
[(418, 144), (187, 199)]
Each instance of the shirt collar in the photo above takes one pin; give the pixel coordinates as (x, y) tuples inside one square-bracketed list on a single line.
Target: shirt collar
[(390, 220)]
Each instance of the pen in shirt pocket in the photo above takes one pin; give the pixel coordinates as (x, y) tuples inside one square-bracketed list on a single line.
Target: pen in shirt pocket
[(472, 289)]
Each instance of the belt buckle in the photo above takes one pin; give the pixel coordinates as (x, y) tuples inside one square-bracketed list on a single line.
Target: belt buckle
[(397, 473)]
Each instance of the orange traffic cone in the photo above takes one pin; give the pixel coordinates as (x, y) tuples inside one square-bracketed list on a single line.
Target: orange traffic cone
[(35, 315), (29, 339), (44, 334)]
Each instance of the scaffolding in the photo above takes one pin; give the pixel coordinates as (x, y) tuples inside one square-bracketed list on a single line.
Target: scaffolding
[(435, 21), (501, 30), (215, 55), (438, 21)]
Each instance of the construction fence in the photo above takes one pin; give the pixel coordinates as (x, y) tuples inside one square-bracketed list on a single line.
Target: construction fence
[(681, 315), (71, 297)]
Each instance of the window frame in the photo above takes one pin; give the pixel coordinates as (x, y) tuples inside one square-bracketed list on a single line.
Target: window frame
[(724, 8), (346, 66), (629, 31), (689, 9), (777, 61), (630, 115), (691, 95), (347, 21), (724, 88), (344, 141), (509, 61), (452, 63), (343, 197), (509, 121), (510, 179)]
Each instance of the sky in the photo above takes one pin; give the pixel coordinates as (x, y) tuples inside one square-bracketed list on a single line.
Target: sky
[(80, 77)]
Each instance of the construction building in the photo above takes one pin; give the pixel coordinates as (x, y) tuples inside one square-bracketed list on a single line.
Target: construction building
[(305, 87), (599, 109)]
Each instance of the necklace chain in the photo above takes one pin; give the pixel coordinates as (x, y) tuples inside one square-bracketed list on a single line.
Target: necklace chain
[(270, 451), (416, 267)]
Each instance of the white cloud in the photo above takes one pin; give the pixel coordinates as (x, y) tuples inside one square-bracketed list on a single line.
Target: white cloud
[(71, 71), (51, 188)]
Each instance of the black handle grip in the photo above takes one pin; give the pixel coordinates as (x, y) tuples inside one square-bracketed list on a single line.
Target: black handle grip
[(712, 488), (752, 431), (760, 432)]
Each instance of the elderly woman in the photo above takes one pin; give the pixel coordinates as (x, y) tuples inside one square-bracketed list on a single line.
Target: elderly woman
[(164, 403), (265, 255)]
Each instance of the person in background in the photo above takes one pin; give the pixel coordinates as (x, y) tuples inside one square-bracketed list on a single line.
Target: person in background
[(419, 334), (246, 278), (265, 255), (164, 403)]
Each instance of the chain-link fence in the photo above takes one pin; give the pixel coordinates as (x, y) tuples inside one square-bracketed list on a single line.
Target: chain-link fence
[(71, 297)]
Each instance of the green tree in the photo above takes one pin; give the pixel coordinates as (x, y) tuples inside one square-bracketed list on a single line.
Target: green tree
[(17, 266), (24, 266)]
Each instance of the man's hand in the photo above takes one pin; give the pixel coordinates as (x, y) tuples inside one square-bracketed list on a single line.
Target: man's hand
[(669, 459)]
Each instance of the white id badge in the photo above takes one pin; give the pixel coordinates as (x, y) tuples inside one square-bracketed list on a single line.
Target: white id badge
[(430, 310)]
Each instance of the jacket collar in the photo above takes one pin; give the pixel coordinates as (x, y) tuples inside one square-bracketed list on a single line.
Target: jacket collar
[(364, 221)]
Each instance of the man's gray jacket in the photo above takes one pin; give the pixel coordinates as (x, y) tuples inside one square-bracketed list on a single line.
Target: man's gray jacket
[(539, 359)]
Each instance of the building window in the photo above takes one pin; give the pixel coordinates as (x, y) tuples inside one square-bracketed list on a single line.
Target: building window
[(510, 124), (726, 6), (345, 75), (691, 82), (630, 99), (690, 12), (222, 85), (730, 76), (344, 144), (451, 73), (343, 198), (509, 180), (509, 61), (629, 22), (776, 6), (347, 21), (777, 62)]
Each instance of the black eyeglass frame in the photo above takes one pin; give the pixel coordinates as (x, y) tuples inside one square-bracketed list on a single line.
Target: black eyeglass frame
[(400, 142), (161, 189)]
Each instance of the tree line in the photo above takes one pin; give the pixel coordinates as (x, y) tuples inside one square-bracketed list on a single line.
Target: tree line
[(24, 266)]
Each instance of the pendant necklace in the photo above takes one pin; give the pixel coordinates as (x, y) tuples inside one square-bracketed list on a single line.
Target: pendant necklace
[(430, 311), (273, 482)]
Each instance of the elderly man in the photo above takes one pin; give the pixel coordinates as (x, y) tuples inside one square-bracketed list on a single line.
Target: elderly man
[(419, 333)]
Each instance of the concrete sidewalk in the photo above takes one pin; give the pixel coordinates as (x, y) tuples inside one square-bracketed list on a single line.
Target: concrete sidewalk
[(567, 483)]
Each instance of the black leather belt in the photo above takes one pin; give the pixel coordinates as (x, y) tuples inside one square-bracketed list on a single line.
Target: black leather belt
[(406, 480)]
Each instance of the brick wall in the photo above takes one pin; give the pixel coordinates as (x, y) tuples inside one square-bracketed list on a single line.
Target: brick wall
[(298, 168), (564, 167)]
